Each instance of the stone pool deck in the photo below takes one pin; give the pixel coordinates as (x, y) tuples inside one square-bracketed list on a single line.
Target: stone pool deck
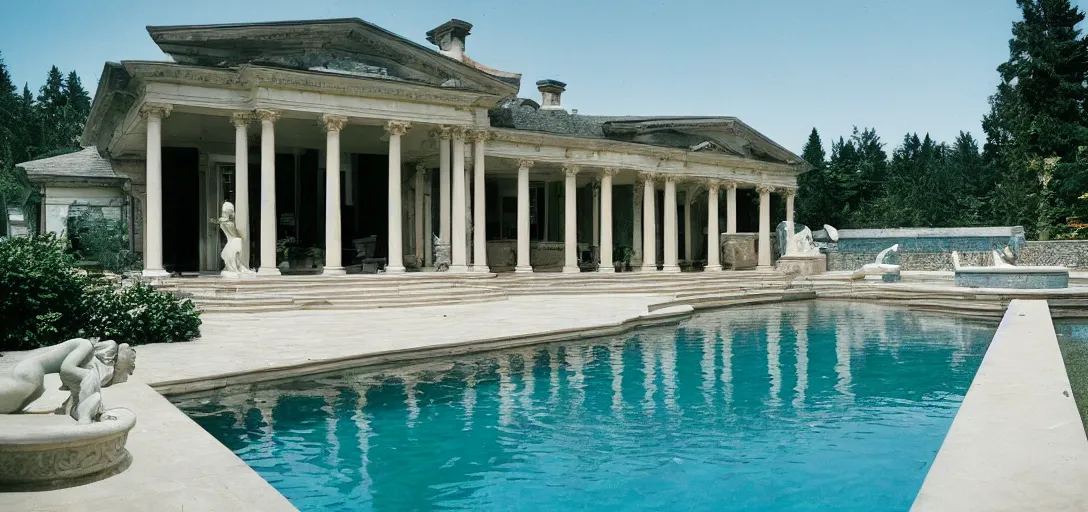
[(1017, 443), (178, 466)]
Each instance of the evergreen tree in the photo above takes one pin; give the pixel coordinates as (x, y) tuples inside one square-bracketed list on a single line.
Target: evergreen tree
[(814, 206), (75, 96), (1036, 125)]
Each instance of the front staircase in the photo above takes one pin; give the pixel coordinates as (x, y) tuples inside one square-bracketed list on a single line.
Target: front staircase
[(287, 293)]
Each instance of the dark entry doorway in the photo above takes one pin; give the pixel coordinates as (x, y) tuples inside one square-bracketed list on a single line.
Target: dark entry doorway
[(180, 210)]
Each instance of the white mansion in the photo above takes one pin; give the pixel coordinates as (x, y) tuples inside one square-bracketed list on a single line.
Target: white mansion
[(346, 145)]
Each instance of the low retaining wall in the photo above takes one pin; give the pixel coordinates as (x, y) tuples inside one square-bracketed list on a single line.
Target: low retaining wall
[(1017, 442)]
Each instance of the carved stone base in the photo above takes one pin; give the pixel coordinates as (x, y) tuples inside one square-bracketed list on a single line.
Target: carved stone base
[(803, 265), (46, 451)]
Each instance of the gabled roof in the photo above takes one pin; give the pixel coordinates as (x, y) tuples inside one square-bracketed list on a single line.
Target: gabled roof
[(726, 135), (85, 164), (346, 45)]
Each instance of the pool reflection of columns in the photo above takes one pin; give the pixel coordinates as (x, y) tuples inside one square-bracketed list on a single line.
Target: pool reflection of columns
[(707, 364), (726, 334), (411, 400), (553, 376), (332, 441), (362, 422), (842, 358), (799, 323), (528, 380), (649, 373), (506, 390), (576, 379), (774, 358), (615, 360), (668, 373), (468, 398)]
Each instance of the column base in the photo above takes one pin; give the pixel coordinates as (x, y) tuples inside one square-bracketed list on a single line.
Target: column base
[(764, 267), (458, 269), (394, 270), (157, 272), (648, 268), (528, 269), (606, 269), (712, 268), (482, 269), (571, 270), (670, 268), (334, 271), (268, 271)]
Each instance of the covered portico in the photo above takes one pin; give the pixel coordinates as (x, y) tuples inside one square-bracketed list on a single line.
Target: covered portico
[(428, 154)]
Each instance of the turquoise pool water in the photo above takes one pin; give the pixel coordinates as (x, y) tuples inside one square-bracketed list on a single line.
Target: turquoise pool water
[(803, 406)]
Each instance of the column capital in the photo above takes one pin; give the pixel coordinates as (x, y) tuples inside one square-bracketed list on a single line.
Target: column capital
[(241, 119), (765, 189), (156, 110), (712, 183), (729, 184), (570, 170), (333, 123), (646, 176), (421, 168), (397, 128), (268, 115), (526, 164), (671, 178), (478, 136), (441, 132), (609, 171), (789, 191), (458, 132)]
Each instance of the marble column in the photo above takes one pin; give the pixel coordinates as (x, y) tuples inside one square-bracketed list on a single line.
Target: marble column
[(764, 250), (523, 265), (479, 207), (420, 178), (596, 209), (606, 264), (395, 263), (444, 134), (333, 253), (671, 238), (731, 207), (241, 121), (713, 236), (570, 212), (458, 256), (268, 192), (636, 221), (649, 217), (791, 193), (688, 231), (154, 114)]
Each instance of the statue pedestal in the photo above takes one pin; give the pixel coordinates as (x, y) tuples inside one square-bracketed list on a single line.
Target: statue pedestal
[(803, 265)]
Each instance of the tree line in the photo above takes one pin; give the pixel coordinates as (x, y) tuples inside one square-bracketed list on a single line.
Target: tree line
[(32, 127), (1032, 169)]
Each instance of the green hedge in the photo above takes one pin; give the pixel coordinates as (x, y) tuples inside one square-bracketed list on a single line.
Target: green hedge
[(45, 300)]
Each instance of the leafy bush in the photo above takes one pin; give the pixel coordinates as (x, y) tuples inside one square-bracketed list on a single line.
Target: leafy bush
[(45, 300), (137, 314), (41, 296), (94, 238)]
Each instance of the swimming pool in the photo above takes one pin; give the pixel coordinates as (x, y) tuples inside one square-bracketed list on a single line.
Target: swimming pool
[(801, 406)]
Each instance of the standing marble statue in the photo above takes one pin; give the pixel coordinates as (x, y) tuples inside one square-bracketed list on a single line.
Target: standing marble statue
[(441, 255), (234, 264), (84, 368)]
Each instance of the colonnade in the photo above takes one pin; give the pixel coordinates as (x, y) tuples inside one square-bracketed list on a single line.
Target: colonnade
[(454, 202)]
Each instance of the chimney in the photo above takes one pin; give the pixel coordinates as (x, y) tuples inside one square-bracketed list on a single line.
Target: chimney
[(450, 37), (550, 91)]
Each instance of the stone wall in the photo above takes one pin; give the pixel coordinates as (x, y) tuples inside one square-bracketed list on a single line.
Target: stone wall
[(1065, 253)]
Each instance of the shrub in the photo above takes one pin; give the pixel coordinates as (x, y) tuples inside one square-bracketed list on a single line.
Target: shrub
[(40, 293), (44, 300), (94, 238), (137, 314)]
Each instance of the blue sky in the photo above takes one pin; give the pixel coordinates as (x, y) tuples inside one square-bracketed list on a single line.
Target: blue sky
[(782, 66)]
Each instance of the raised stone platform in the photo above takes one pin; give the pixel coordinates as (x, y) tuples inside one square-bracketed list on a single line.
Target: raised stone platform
[(1020, 278)]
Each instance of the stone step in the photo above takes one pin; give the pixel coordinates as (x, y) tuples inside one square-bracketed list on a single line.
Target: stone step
[(344, 304)]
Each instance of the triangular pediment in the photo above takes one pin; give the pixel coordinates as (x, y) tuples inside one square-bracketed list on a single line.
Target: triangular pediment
[(724, 135), (344, 46)]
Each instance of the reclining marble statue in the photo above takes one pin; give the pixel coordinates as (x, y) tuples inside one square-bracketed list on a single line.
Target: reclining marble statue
[(84, 368), (880, 267), (234, 264)]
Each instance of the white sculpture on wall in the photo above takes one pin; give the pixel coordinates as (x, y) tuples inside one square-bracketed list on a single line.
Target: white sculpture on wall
[(84, 368), (234, 264), (880, 266), (801, 244)]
